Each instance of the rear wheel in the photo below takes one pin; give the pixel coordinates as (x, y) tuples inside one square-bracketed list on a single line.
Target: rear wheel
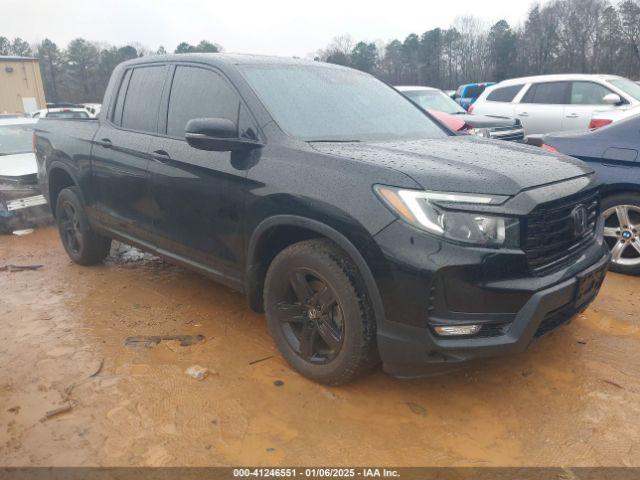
[(621, 215), (82, 243), (318, 312)]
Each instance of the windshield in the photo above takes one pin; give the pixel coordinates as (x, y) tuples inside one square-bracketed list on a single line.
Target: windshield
[(435, 100), (16, 139), (330, 103), (627, 86)]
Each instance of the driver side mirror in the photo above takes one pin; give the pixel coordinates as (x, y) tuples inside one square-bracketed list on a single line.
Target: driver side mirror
[(612, 99), (217, 135)]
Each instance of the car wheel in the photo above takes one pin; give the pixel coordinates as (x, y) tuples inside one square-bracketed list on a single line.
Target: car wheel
[(621, 215), (319, 314), (82, 243)]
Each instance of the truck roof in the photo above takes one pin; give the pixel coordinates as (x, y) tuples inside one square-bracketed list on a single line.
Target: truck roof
[(228, 59)]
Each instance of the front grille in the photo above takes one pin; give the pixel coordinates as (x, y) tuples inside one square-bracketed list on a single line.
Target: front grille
[(511, 133), (549, 241)]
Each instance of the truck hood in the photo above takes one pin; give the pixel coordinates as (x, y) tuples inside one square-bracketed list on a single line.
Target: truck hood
[(464, 164), (18, 165)]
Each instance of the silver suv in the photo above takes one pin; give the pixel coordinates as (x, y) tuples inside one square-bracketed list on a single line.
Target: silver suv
[(551, 103)]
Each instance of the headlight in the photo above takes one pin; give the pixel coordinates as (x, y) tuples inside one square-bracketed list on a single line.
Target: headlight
[(479, 132), (424, 210)]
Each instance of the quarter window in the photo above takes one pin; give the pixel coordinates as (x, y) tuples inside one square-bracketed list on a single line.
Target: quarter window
[(122, 91), (549, 93), (142, 101), (199, 93)]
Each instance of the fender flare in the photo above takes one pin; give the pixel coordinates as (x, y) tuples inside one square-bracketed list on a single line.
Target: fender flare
[(58, 165), (324, 230)]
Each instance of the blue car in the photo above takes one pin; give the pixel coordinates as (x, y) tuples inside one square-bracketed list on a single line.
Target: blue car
[(613, 152), (467, 94)]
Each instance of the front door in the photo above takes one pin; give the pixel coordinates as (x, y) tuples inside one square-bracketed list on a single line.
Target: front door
[(586, 97), (198, 194)]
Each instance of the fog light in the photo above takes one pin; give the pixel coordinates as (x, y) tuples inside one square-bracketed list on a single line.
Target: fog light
[(458, 330)]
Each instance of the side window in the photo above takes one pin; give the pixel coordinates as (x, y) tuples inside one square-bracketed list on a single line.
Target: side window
[(122, 91), (474, 91), (140, 110), (199, 93), (549, 93), (588, 93), (504, 94)]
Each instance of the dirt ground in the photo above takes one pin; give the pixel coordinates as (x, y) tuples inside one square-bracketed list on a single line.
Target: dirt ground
[(572, 399)]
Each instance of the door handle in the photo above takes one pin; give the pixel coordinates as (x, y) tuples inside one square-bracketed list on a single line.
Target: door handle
[(573, 115), (523, 114), (161, 156), (105, 142)]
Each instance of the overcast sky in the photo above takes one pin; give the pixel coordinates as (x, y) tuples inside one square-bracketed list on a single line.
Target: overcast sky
[(280, 27)]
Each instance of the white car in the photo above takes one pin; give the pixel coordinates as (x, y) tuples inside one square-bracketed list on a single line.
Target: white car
[(602, 118), (551, 103), (93, 108), (61, 113), (21, 202)]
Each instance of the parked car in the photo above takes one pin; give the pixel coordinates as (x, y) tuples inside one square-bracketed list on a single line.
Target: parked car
[(21, 202), (612, 151), (603, 118), (552, 103), (436, 101), (467, 94), (92, 108), (63, 112), (362, 228)]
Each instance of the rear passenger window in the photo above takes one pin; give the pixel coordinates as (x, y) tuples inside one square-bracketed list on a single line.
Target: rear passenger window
[(140, 111), (504, 94), (122, 91), (550, 93), (199, 93), (588, 93)]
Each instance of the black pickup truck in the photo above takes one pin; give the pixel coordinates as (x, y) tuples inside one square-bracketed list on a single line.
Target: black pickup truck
[(364, 230)]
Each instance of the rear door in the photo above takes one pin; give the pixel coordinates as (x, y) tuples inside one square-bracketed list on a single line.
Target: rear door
[(585, 98), (120, 157), (541, 109), (199, 194)]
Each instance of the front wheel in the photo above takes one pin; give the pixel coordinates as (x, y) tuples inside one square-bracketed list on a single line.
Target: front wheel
[(621, 215), (319, 314), (83, 245)]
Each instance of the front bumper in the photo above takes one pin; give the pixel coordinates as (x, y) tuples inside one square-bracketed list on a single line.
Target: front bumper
[(524, 307), (22, 206)]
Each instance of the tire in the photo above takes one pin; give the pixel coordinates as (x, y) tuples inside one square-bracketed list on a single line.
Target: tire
[(83, 245), (319, 314), (623, 242)]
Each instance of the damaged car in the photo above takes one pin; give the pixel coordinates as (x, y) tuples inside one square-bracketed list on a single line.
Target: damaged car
[(22, 205)]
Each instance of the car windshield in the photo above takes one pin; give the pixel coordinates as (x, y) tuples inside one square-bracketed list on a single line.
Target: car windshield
[(322, 103), (16, 139), (435, 100), (627, 86)]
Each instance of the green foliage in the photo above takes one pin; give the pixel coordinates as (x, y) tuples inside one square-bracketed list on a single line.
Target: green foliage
[(203, 47), (364, 56)]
